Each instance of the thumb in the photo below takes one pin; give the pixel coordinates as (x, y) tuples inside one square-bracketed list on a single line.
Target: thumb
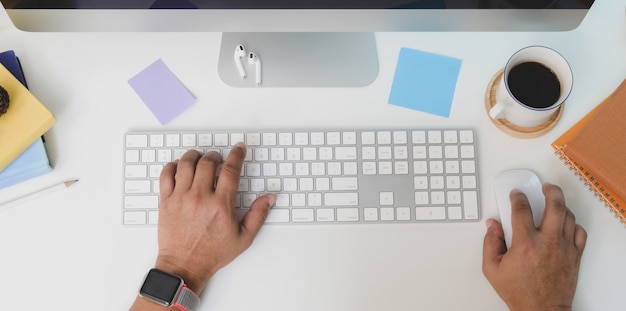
[(253, 220), (493, 246)]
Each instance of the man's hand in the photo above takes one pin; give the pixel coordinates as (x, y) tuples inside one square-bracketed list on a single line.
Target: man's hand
[(540, 271), (199, 232)]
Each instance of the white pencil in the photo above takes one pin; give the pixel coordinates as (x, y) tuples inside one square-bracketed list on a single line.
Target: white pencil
[(38, 194)]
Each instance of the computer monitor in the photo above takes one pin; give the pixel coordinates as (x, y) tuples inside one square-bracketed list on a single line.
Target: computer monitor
[(301, 43)]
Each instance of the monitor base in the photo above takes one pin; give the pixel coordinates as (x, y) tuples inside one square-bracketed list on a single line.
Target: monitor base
[(302, 59)]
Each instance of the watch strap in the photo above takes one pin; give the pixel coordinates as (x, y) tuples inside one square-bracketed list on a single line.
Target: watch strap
[(186, 300)]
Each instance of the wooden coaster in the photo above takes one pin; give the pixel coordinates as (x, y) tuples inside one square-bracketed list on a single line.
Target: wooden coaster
[(512, 129)]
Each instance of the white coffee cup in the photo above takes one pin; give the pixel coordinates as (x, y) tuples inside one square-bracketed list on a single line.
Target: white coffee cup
[(530, 114)]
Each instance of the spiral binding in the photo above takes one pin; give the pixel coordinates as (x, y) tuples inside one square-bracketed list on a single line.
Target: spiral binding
[(594, 185)]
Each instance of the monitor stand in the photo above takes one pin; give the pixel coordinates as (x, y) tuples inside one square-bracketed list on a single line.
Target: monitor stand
[(302, 59)]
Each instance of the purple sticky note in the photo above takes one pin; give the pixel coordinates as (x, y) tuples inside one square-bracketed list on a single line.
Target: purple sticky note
[(161, 91)]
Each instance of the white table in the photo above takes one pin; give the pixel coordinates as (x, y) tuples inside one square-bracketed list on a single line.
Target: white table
[(71, 248)]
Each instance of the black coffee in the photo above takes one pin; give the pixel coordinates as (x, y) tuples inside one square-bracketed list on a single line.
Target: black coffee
[(534, 85)]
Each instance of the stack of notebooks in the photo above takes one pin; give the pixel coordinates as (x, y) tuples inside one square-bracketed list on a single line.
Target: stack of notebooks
[(22, 152), (595, 149)]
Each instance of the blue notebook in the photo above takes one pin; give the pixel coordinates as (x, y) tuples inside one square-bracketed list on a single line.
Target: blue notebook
[(34, 161)]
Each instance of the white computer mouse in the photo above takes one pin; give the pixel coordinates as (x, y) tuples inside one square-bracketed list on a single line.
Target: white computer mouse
[(526, 181)]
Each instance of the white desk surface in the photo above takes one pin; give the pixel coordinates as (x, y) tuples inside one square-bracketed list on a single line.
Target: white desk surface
[(71, 248)]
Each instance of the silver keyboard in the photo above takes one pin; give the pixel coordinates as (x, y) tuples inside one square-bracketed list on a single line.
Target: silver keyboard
[(323, 176)]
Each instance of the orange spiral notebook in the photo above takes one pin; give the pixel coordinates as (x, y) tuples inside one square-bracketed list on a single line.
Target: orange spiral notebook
[(595, 149)]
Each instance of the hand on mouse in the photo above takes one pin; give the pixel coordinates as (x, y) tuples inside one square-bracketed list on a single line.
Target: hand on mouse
[(540, 271)]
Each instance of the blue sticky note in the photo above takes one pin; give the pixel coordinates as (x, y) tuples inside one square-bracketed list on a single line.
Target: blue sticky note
[(425, 82), (161, 91)]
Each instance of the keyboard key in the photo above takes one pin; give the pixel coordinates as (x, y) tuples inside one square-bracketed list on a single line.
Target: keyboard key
[(368, 153), (141, 202), (132, 156), (349, 138), (221, 140), (418, 137), (466, 137), (369, 168), (253, 139), (403, 213), (470, 207), (137, 186), (172, 140), (469, 182), (277, 215), (384, 138), (434, 137), (135, 218), (322, 184), (370, 214), (302, 215), (236, 137), (325, 214), (467, 152), (205, 140), (148, 156), (136, 141), (136, 171), (317, 138), (368, 138), (189, 140), (285, 139), (400, 152), (400, 137), (269, 139), (347, 214), (430, 213), (333, 138), (385, 168), (341, 199), (345, 153), (386, 198), (422, 198), (345, 183), (450, 137), (314, 199), (387, 214), (468, 167), (301, 139), (455, 212), (156, 140)]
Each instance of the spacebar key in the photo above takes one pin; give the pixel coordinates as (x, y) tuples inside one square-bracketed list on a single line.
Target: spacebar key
[(277, 215), (341, 199)]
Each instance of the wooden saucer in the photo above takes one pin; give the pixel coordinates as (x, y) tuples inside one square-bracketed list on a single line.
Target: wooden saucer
[(512, 129)]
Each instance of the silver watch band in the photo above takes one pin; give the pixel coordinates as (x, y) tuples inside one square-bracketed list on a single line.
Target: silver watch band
[(187, 300)]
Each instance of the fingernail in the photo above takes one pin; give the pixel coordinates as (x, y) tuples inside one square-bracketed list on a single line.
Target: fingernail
[(272, 200), (489, 223), (240, 145)]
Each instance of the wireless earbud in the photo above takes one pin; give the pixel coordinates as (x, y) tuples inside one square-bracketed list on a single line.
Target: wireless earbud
[(240, 53), (253, 59)]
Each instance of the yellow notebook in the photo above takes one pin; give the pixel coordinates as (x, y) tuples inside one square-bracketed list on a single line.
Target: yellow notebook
[(595, 149), (23, 123)]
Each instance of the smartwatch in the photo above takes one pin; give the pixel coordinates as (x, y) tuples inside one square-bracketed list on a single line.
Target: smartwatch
[(168, 290)]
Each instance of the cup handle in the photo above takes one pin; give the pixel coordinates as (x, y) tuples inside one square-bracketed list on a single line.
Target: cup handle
[(498, 110)]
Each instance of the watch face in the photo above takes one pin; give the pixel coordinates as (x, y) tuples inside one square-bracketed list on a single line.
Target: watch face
[(161, 287)]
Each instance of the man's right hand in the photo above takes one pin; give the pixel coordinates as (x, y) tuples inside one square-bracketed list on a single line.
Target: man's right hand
[(540, 271)]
